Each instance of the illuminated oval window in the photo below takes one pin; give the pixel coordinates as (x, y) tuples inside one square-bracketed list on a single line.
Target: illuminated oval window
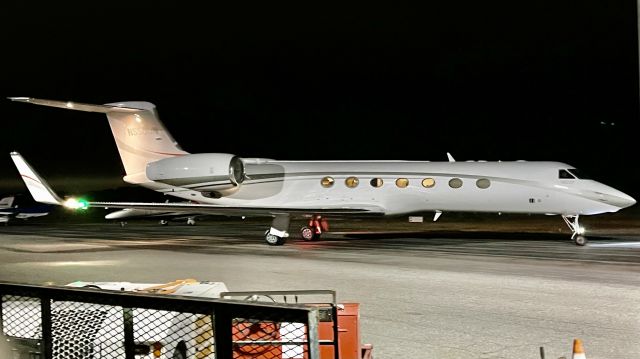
[(376, 182), (351, 182), (327, 182), (455, 183), (402, 182), (428, 182), (483, 183)]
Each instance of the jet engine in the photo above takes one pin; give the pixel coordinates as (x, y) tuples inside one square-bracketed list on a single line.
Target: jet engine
[(213, 174)]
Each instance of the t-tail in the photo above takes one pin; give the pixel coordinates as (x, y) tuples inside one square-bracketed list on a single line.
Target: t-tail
[(140, 136)]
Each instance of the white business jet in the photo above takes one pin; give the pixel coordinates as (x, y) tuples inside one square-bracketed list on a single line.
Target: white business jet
[(226, 184)]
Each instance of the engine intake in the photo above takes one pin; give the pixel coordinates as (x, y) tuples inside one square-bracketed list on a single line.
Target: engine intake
[(221, 173)]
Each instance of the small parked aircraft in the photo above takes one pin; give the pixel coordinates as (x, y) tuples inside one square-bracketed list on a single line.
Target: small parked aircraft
[(222, 183), (10, 209)]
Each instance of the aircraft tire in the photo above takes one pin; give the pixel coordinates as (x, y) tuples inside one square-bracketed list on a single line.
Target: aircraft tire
[(580, 240), (274, 240), (307, 233)]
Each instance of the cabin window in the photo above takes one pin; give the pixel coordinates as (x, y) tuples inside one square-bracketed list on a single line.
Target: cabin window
[(327, 182), (455, 183), (483, 183), (428, 182), (564, 174), (402, 182), (376, 182), (352, 182)]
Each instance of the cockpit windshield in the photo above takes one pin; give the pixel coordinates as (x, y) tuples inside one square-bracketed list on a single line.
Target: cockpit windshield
[(579, 174), (572, 173), (564, 174)]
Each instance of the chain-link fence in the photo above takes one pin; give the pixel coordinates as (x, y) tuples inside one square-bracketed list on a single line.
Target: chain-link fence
[(71, 323)]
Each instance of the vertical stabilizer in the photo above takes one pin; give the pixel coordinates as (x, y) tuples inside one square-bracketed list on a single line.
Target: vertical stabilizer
[(140, 136), (7, 202)]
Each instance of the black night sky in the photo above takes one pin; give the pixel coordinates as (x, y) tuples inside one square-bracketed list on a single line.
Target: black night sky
[(510, 80)]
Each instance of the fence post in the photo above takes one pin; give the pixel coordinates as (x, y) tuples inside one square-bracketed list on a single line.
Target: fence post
[(47, 337), (1, 317), (129, 345), (312, 334), (222, 334)]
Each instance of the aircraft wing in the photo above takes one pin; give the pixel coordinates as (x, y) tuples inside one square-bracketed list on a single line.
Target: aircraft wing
[(202, 208), (42, 192)]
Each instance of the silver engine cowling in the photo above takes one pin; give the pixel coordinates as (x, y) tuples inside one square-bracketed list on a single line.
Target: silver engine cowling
[(213, 174)]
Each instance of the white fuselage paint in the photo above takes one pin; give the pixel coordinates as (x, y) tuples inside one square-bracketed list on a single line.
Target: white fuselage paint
[(515, 187)]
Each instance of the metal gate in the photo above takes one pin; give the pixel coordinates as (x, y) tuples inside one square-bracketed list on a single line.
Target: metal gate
[(39, 322)]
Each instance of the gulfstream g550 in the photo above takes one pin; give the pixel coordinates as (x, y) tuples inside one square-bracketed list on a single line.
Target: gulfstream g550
[(221, 183)]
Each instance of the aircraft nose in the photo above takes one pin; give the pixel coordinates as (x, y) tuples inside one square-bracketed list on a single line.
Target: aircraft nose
[(630, 201), (621, 199)]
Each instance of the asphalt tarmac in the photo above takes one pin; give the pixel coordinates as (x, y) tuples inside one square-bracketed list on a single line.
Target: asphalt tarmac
[(448, 292)]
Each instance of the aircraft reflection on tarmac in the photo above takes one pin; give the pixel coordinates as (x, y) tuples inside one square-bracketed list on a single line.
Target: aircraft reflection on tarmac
[(616, 245)]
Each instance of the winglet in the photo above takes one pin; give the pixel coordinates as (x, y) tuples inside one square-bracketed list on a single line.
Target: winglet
[(451, 159), (38, 187)]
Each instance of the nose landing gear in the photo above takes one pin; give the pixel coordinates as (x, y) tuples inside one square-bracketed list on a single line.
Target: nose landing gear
[(277, 234), (578, 236)]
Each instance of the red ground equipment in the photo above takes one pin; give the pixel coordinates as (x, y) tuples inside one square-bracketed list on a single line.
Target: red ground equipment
[(343, 335)]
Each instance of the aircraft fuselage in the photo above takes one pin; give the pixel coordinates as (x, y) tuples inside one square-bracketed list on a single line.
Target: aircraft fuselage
[(400, 187)]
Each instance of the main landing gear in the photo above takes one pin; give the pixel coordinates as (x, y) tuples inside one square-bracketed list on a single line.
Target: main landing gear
[(314, 230), (277, 234), (578, 236)]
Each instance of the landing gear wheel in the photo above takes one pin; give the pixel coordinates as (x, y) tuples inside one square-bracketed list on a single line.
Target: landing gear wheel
[(308, 234), (580, 240), (273, 240)]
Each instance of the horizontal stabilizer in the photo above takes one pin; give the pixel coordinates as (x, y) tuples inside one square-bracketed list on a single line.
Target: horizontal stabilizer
[(78, 106), (39, 189)]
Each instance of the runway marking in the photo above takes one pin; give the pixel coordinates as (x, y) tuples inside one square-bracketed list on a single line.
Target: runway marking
[(79, 263), (54, 247)]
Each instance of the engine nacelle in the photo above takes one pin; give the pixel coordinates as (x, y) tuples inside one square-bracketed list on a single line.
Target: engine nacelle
[(214, 174)]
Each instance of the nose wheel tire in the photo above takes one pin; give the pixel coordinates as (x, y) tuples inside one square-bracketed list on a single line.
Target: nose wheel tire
[(274, 240), (580, 240)]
